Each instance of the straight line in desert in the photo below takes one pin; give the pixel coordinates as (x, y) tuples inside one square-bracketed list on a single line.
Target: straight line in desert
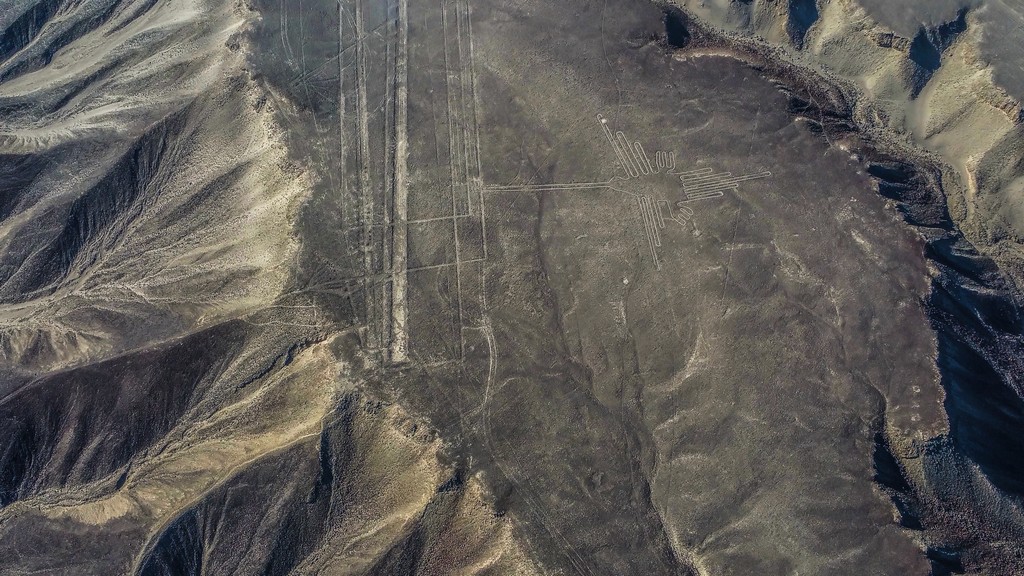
[(399, 284), (453, 126), (548, 187), (436, 219), (725, 183), (479, 179), (465, 93), (365, 192), (698, 180), (389, 138), (444, 265), (343, 173)]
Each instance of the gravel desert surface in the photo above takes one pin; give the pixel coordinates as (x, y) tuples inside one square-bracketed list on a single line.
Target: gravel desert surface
[(511, 287)]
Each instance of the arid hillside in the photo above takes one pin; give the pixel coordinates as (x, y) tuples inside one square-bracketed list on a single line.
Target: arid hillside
[(488, 287)]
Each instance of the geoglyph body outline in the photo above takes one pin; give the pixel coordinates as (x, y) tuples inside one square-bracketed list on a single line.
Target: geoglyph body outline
[(633, 164)]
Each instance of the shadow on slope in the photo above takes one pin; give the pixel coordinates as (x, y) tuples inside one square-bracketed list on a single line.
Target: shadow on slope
[(95, 220), (84, 425), (327, 510), (31, 41)]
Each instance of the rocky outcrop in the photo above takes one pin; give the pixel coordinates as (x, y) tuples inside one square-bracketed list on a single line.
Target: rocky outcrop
[(955, 491), (935, 89)]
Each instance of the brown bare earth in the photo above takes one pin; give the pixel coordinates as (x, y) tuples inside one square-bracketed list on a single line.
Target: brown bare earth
[(511, 287)]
